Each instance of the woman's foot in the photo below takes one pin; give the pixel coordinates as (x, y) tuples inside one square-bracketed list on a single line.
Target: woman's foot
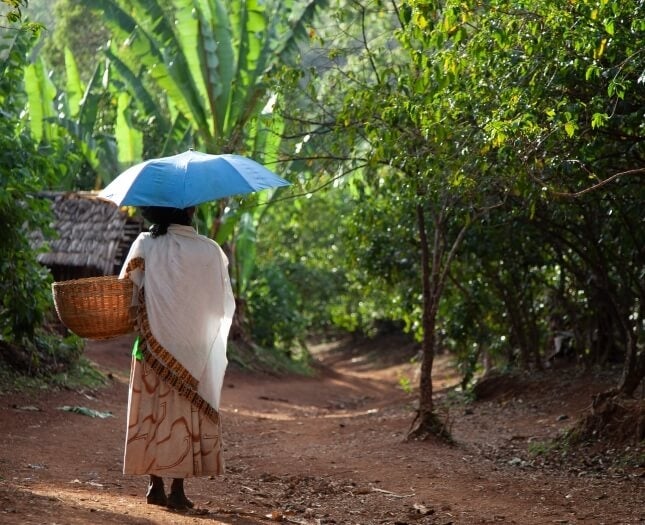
[(177, 499), (156, 494)]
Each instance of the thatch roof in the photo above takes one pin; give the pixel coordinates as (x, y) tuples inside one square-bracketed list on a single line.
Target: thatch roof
[(94, 236)]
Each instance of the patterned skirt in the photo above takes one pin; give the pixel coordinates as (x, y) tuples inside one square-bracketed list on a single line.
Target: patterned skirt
[(167, 436)]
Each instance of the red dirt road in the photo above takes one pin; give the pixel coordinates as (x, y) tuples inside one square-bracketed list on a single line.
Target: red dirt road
[(327, 449)]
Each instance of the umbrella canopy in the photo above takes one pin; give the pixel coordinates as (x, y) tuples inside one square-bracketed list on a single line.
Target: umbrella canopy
[(188, 179)]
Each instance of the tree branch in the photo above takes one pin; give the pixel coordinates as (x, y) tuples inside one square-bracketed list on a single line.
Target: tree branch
[(598, 185)]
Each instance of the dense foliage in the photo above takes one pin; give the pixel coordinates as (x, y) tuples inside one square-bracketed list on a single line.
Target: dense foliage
[(509, 142), (472, 174), (25, 169)]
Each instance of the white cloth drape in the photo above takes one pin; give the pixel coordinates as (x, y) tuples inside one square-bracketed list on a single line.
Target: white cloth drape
[(189, 301)]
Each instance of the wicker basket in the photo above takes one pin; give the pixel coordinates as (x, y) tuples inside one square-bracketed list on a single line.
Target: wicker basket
[(95, 307)]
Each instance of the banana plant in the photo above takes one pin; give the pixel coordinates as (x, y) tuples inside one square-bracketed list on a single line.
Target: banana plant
[(75, 110), (41, 93), (210, 58), (207, 63)]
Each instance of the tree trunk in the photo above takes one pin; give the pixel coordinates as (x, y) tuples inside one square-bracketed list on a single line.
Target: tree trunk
[(634, 366), (427, 423), (534, 342)]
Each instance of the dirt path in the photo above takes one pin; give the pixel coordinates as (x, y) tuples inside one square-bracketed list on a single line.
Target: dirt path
[(313, 451)]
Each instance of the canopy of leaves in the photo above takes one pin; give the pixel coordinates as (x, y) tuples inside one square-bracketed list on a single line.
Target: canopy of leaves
[(494, 117)]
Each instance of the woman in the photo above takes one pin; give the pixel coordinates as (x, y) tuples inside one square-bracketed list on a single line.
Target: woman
[(184, 306)]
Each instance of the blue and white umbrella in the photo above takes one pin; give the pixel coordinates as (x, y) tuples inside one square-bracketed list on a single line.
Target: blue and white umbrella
[(188, 179)]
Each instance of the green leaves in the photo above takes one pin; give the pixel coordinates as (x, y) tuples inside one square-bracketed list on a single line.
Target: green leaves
[(207, 56), (598, 120), (507, 109), (41, 93), (570, 128), (74, 89), (24, 171), (128, 138)]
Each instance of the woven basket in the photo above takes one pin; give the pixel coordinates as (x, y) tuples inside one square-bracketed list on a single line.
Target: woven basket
[(95, 307)]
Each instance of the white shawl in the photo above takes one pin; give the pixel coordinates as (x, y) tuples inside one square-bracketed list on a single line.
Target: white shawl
[(189, 301)]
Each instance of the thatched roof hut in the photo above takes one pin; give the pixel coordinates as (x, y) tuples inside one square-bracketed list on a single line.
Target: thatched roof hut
[(94, 236)]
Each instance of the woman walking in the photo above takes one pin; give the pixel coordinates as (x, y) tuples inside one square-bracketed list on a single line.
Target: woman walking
[(184, 307)]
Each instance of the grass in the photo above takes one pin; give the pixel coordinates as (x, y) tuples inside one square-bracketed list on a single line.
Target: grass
[(540, 448), (269, 360), (80, 374)]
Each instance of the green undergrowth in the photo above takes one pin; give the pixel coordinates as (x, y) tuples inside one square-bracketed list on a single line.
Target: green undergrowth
[(253, 358), (46, 360), (68, 368), (81, 374)]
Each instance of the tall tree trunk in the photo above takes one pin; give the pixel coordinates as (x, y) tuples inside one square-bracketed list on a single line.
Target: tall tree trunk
[(426, 404), (634, 366), (517, 335), (426, 422), (434, 274), (535, 346), (633, 371)]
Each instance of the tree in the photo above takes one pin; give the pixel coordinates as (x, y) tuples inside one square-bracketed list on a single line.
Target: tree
[(298, 286), (25, 169), (483, 117), (556, 108), (393, 122), (556, 93), (22, 170)]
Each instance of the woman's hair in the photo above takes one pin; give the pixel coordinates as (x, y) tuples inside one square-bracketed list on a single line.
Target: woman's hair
[(162, 217)]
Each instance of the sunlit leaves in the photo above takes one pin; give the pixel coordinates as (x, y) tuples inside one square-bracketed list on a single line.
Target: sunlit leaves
[(74, 85), (129, 138), (469, 107), (24, 171), (41, 93), (570, 128)]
